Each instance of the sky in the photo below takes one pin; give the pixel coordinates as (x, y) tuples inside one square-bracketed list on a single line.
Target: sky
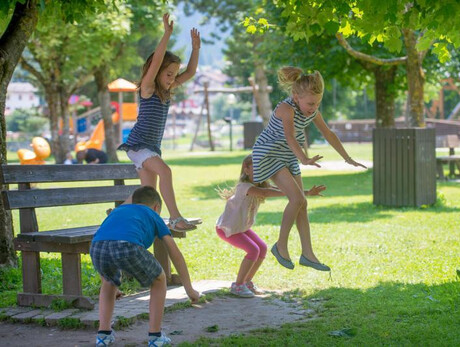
[(209, 54)]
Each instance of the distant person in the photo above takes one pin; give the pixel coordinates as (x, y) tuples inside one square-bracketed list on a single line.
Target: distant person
[(278, 150), (121, 244), (235, 225), (69, 160), (91, 156), (160, 75)]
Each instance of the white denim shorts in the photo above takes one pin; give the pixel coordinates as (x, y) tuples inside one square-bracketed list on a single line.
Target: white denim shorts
[(138, 157)]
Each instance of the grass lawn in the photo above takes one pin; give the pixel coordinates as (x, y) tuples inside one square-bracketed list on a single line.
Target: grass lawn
[(393, 280)]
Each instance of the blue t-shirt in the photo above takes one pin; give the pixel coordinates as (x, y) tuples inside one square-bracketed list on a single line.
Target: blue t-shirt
[(134, 223)]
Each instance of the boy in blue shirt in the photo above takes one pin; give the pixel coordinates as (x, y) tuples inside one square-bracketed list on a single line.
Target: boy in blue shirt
[(121, 244)]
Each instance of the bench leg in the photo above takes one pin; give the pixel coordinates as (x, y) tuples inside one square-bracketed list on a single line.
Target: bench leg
[(440, 170), (161, 254), (31, 279), (71, 273)]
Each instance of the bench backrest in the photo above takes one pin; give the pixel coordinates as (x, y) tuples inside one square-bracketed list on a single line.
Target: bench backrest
[(26, 198), (447, 141)]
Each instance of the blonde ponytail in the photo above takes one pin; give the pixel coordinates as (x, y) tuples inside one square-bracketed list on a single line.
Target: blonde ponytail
[(294, 81)]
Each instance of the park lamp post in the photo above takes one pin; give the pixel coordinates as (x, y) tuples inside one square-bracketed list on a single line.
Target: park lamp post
[(231, 100)]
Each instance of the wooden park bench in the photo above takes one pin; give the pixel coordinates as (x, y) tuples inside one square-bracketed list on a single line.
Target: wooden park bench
[(451, 142), (70, 242)]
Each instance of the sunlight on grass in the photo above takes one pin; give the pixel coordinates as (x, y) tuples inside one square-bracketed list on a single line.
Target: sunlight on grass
[(393, 269)]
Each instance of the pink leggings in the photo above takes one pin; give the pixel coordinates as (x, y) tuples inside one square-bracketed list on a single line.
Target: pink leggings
[(247, 241)]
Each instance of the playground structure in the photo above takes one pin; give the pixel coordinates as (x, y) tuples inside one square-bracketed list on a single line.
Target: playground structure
[(124, 112), (254, 89), (41, 151), (437, 106)]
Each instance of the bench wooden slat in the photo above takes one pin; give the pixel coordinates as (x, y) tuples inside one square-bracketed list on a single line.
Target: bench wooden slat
[(73, 235), (76, 235), (15, 199), (66, 173)]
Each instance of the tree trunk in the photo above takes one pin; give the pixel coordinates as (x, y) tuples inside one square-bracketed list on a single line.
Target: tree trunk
[(64, 138), (385, 96), (415, 80), (262, 95), (52, 99), (100, 76), (12, 43)]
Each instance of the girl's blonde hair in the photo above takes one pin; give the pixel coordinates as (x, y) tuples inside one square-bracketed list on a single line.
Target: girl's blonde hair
[(227, 193), (294, 81), (168, 59)]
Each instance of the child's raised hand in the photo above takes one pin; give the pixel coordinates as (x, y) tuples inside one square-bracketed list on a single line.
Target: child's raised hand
[(312, 161), (196, 41), (167, 24), (315, 190)]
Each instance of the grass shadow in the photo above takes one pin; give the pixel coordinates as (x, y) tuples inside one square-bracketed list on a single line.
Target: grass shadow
[(225, 159)]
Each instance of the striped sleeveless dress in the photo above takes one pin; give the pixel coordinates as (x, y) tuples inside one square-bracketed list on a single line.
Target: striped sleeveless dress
[(271, 153), (150, 126)]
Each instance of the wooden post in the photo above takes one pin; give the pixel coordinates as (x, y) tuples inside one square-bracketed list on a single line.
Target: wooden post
[(208, 115), (31, 278), (120, 116)]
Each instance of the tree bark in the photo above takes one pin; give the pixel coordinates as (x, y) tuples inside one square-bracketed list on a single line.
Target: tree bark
[(415, 79), (12, 43), (262, 95), (385, 96), (100, 76), (64, 138)]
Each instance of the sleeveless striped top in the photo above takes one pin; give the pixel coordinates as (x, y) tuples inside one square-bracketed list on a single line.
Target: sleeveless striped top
[(150, 125), (271, 151)]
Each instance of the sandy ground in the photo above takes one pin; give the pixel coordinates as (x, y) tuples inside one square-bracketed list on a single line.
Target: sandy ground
[(232, 315)]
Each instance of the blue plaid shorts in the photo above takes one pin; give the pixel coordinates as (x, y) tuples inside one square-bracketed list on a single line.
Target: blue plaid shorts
[(111, 257)]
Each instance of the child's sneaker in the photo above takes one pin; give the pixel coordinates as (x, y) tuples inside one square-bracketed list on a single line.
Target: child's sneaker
[(103, 340), (253, 288), (241, 290), (155, 341)]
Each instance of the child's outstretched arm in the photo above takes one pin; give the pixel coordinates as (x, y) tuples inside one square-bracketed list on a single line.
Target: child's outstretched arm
[(193, 61), (272, 192), (179, 263), (148, 82), (315, 190), (333, 140), (286, 114)]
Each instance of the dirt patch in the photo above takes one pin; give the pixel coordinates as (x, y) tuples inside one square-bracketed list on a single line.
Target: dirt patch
[(224, 315)]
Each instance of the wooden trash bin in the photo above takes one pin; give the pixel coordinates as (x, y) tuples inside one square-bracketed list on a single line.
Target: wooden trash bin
[(404, 167), (251, 131)]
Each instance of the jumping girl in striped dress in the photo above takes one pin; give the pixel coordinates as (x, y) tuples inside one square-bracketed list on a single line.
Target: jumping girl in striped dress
[(160, 75), (278, 150)]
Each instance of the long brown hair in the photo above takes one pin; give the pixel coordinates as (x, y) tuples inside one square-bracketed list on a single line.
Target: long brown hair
[(293, 80), (227, 193), (168, 59)]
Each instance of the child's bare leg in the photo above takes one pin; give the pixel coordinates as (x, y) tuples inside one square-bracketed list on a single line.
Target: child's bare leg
[(157, 303), (158, 166), (287, 184), (245, 268), (253, 270), (303, 226), (106, 304)]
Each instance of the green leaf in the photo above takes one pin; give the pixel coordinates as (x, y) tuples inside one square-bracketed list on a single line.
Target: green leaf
[(345, 332), (440, 49), (212, 328), (251, 29), (332, 27)]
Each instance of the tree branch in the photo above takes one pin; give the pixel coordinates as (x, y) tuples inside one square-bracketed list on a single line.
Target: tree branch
[(367, 57), (28, 67)]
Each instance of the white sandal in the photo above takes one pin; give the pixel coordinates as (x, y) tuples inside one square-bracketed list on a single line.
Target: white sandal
[(173, 224)]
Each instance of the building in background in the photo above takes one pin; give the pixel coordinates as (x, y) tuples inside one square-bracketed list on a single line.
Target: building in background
[(21, 95)]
